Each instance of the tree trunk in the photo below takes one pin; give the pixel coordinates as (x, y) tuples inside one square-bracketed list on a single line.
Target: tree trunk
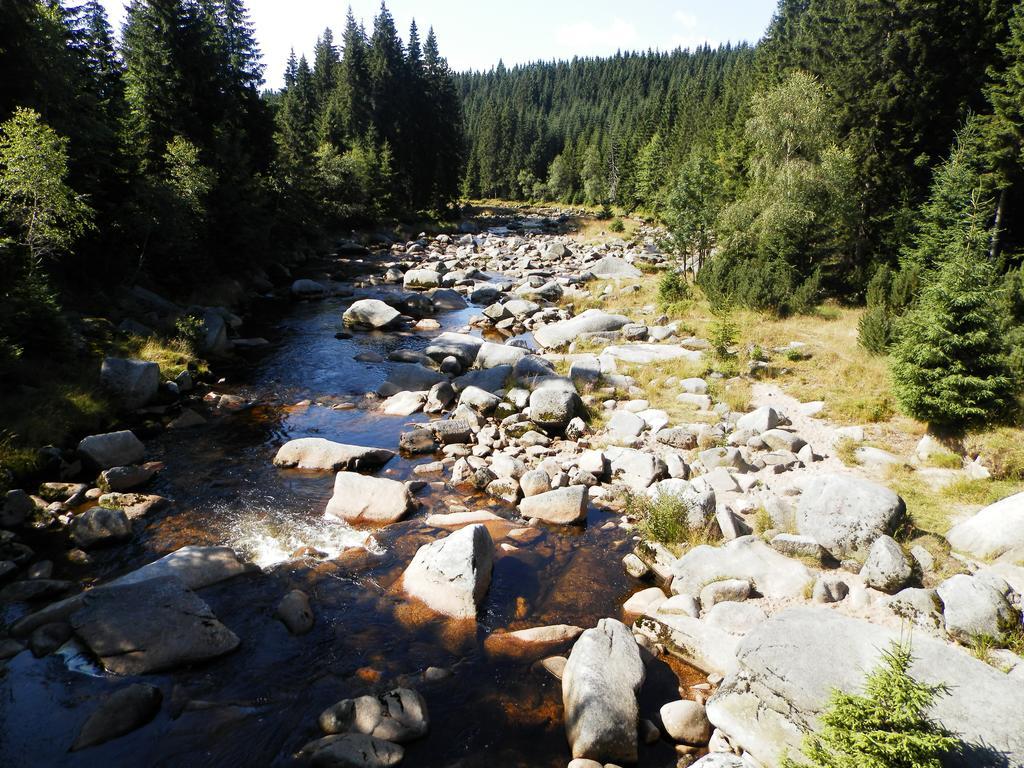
[(997, 232)]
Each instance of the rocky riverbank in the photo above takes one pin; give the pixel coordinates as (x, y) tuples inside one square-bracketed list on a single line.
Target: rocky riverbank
[(523, 449)]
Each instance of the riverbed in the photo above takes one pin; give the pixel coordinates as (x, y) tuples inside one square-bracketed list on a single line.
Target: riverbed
[(259, 705)]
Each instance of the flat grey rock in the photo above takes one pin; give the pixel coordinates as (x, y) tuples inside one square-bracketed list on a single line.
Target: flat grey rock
[(152, 626)]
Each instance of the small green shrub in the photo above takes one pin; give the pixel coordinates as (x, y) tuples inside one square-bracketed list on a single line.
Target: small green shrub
[(763, 521), (191, 331), (874, 331), (887, 727), (723, 333), (665, 518), (672, 288), (617, 225), (846, 451), (808, 295), (945, 460), (605, 213)]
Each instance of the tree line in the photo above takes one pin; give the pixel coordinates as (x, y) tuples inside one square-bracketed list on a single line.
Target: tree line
[(157, 155)]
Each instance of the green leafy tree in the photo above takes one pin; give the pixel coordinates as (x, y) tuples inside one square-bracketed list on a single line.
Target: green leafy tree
[(794, 218), (886, 727), (949, 366), (34, 197), (187, 177), (693, 206)]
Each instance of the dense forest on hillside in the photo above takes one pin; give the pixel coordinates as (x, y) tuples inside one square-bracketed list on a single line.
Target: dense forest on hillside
[(157, 158), (809, 154)]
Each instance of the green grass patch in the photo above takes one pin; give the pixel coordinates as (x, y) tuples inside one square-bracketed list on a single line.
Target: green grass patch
[(927, 509), (846, 451), (945, 460), (981, 492), (1001, 450), (664, 519)]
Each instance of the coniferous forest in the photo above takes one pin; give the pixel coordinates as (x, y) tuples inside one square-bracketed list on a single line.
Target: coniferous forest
[(160, 157)]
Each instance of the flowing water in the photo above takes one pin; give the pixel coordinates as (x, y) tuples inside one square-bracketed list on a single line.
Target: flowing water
[(259, 705)]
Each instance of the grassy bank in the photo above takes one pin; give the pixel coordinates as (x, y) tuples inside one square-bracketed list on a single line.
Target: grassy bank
[(56, 400)]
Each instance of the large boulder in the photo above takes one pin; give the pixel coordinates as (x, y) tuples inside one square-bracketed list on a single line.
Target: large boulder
[(758, 421), (370, 313), (600, 684), (461, 346), (132, 382), (322, 454), (491, 355), (553, 408), (590, 321), (612, 266), (195, 566), (790, 665), (451, 575), (771, 574), (997, 531), (973, 607), (155, 625), (561, 506), (846, 514), (362, 500), (113, 449), (643, 354)]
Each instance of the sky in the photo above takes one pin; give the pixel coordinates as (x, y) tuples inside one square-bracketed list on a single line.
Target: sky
[(475, 34)]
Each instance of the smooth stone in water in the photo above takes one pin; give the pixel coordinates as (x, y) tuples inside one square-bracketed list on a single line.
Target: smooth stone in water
[(100, 526), (600, 684), (295, 612), (451, 575), (151, 626), (113, 449), (316, 453), (123, 711), (363, 500), (561, 506), (685, 721)]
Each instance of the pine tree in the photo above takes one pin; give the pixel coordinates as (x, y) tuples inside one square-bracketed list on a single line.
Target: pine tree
[(946, 218), (296, 137), (887, 727), (160, 103), (354, 81), (949, 366)]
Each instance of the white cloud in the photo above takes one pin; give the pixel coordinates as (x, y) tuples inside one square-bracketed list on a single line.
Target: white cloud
[(587, 38), (687, 20), (691, 36)]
